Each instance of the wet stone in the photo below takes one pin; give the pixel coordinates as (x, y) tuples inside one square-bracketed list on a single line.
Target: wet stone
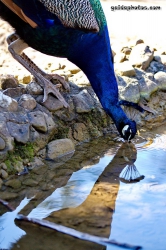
[(15, 183), (19, 131), (2, 144)]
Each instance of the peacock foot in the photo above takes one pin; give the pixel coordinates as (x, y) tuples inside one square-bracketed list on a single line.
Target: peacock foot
[(16, 47)]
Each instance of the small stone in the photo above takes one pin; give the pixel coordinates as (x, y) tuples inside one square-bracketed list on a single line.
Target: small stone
[(83, 102), (15, 92), (141, 56), (68, 66), (147, 87), (59, 148), (19, 131), (1, 182), (8, 195), (15, 183), (81, 132), (8, 81), (126, 50), (124, 69), (3, 174), (3, 165), (30, 182), (34, 89), (2, 144), (120, 57), (139, 41), (52, 103), (8, 103), (156, 66), (80, 79), (129, 89), (160, 78), (38, 121), (24, 78), (27, 102)]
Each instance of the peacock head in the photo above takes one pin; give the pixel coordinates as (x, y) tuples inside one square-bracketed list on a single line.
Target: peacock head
[(127, 130)]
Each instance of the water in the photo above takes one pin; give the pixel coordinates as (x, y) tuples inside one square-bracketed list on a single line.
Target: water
[(95, 201)]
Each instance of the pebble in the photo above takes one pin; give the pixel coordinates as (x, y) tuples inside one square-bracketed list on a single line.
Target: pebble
[(3, 174), (2, 144)]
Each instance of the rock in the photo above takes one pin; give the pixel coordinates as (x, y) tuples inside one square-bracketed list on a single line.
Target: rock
[(58, 148), (124, 69), (160, 58), (160, 78), (83, 102), (147, 87), (141, 56), (24, 78), (34, 89), (38, 121), (80, 79), (2, 144), (8, 103), (8, 195), (126, 50), (20, 132), (15, 183), (156, 66), (129, 89), (3, 174), (3, 166), (52, 103), (27, 102), (1, 182), (9, 140), (8, 81), (15, 92), (80, 132), (139, 41), (30, 182), (37, 165), (120, 57)]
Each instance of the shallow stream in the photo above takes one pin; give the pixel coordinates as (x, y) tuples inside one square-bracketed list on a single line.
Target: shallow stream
[(93, 196)]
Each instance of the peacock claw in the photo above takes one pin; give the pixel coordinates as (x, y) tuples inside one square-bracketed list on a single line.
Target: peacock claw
[(16, 47)]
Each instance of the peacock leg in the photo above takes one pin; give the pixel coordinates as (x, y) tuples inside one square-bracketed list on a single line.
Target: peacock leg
[(16, 47)]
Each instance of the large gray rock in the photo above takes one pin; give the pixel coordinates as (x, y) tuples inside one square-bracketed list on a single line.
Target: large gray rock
[(20, 132), (160, 78), (7, 103), (141, 56), (59, 148)]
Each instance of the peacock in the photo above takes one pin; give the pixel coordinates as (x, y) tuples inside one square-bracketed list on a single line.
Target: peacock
[(76, 30)]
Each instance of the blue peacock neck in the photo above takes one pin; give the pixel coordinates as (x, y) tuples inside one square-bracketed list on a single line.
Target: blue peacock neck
[(93, 55)]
